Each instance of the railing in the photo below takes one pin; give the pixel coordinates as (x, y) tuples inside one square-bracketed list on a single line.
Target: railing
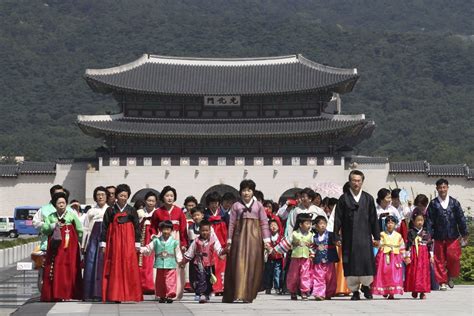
[(9, 256)]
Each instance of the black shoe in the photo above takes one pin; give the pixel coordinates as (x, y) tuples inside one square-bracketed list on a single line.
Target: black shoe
[(451, 283), (162, 300), (367, 292), (169, 301), (355, 296), (280, 292), (294, 297), (268, 291)]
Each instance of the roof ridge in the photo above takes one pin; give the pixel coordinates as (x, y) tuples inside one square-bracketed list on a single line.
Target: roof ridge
[(450, 165), (223, 62), (223, 58), (228, 120)]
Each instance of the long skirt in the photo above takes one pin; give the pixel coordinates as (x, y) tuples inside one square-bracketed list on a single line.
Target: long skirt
[(245, 265), (388, 279), (403, 230), (145, 263), (219, 267), (220, 230), (341, 287), (62, 279), (165, 283), (417, 278), (93, 265), (121, 278), (324, 279)]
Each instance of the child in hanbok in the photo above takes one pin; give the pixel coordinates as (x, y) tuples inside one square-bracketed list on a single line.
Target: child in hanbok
[(388, 280), (300, 242), (420, 255), (201, 254), (274, 263), (324, 268), (167, 255)]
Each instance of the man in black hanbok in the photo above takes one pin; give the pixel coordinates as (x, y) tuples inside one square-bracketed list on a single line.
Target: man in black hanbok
[(356, 228)]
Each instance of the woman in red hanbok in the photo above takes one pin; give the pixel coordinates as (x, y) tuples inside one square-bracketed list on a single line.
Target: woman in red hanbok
[(62, 278), (145, 263), (121, 241), (215, 216), (170, 212)]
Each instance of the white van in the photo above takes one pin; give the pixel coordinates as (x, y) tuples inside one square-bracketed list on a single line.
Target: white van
[(7, 226)]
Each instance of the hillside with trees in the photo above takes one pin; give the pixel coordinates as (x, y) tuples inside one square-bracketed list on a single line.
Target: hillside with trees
[(415, 58)]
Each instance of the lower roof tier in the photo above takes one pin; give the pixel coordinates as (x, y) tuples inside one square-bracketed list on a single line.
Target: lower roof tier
[(107, 125)]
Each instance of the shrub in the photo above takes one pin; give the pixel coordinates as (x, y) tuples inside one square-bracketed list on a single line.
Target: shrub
[(467, 264), (16, 242)]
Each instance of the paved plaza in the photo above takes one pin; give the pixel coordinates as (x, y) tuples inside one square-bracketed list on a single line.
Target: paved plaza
[(17, 289), (454, 302)]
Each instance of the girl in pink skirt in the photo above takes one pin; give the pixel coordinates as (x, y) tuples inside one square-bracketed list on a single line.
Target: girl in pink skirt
[(388, 279)]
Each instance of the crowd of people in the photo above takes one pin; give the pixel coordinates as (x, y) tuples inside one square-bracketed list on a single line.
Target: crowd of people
[(235, 247)]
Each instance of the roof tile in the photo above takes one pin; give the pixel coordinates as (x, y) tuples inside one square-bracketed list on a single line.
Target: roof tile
[(194, 76), (408, 167)]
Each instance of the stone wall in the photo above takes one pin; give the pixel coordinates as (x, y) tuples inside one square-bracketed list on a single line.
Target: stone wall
[(33, 190), (273, 180)]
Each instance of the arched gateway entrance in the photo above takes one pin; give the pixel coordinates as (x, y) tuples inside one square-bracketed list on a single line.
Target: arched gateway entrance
[(221, 189), (140, 194), (288, 194)]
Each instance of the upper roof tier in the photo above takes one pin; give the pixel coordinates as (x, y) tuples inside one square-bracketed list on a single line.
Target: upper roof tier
[(153, 74)]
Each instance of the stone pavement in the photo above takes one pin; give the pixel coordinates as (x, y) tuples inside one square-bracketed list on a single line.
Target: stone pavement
[(16, 287), (458, 301)]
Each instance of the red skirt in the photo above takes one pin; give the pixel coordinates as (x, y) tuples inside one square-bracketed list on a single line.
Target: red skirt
[(220, 229), (388, 279), (121, 278), (62, 278), (417, 277), (403, 230), (146, 265)]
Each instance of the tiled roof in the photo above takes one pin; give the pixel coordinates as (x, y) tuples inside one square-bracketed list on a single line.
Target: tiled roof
[(29, 167), (408, 167), (459, 170), (447, 170), (369, 160), (204, 76), (210, 128), (8, 171)]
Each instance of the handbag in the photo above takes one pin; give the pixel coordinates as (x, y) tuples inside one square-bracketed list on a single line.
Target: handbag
[(56, 238)]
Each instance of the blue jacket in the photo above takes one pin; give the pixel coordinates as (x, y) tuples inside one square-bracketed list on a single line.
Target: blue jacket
[(447, 223), (325, 250)]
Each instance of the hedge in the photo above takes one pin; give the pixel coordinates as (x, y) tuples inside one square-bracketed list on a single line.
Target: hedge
[(16, 242)]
